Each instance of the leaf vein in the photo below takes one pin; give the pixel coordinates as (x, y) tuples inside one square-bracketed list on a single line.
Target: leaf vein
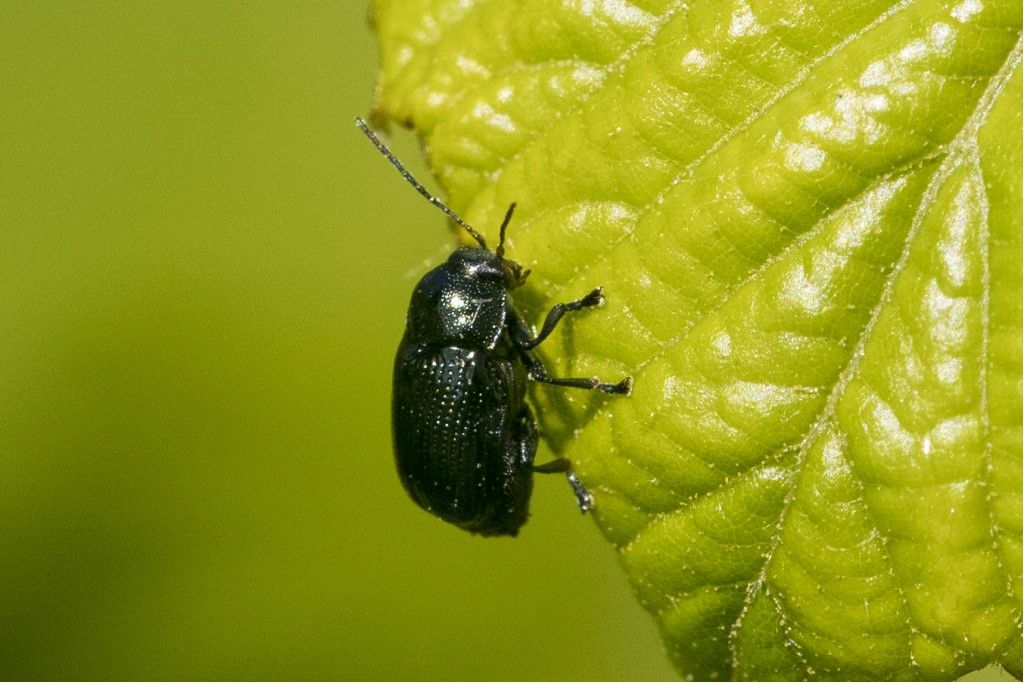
[(799, 78)]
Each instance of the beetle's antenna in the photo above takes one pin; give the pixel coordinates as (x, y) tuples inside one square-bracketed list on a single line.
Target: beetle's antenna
[(500, 251), (419, 188)]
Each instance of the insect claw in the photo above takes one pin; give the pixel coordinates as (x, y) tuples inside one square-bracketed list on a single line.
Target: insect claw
[(595, 298)]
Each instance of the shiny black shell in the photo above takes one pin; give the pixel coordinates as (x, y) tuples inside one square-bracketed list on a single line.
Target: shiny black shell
[(464, 437)]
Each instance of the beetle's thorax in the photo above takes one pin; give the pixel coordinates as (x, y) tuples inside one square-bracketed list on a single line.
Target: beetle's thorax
[(462, 302)]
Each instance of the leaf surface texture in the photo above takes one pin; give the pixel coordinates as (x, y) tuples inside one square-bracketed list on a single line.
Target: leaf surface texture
[(806, 218)]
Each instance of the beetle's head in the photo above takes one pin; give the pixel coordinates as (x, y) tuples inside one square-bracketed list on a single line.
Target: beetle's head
[(477, 263), (486, 264)]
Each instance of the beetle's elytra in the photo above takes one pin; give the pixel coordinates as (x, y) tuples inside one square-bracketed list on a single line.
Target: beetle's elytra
[(464, 437)]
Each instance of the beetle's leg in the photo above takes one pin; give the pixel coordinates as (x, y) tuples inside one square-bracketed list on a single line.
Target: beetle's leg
[(583, 497), (527, 438), (553, 467), (522, 334), (537, 372)]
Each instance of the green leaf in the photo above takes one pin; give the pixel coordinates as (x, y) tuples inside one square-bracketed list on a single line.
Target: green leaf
[(806, 217)]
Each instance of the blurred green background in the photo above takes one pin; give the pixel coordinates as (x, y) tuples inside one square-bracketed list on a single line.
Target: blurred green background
[(204, 272)]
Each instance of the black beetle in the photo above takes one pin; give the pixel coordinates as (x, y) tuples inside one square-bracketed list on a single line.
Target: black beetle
[(464, 438)]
